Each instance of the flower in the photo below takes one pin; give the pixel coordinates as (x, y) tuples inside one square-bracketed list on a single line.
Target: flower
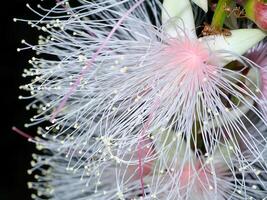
[(257, 12), (143, 106)]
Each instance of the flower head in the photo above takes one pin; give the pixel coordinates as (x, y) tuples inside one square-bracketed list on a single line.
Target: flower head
[(143, 106)]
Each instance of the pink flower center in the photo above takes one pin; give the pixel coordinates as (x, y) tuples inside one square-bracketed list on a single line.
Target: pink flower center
[(189, 54), (189, 60)]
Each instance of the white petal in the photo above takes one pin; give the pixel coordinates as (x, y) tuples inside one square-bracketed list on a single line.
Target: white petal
[(238, 43), (202, 4), (177, 17), (173, 146)]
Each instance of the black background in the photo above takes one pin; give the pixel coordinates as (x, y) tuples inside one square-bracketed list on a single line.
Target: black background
[(15, 150)]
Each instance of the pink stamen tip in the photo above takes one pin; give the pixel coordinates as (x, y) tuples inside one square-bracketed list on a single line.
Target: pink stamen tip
[(23, 134), (94, 56)]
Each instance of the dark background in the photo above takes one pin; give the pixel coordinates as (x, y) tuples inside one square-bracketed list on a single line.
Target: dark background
[(15, 150)]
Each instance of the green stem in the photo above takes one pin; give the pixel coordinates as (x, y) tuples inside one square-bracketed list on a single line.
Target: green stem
[(220, 14), (249, 7)]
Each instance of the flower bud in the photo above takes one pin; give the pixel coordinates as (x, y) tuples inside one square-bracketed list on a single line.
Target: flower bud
[(256, 10)]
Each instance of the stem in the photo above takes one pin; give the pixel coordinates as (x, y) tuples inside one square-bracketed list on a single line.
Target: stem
[(249, 7), (220, 14)]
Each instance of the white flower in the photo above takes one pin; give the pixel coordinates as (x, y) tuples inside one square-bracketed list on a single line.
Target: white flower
[(142, 106)]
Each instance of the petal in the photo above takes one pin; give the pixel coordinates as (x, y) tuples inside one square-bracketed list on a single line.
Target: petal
[(171, 144), (238, 43), (177, 18), (202, 4)]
